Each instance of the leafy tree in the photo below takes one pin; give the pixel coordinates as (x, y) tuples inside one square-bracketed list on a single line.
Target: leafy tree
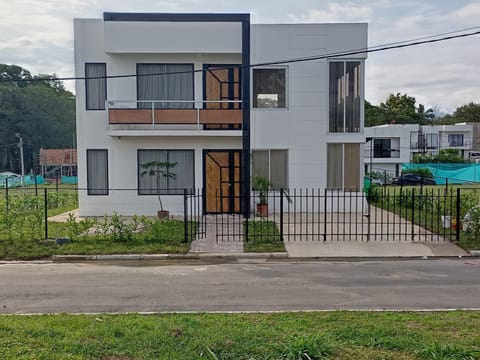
[(397, 109), (467, 113), (42, 111)]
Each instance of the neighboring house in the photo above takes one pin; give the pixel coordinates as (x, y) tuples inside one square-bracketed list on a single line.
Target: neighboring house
[(192, 99), (391, 145), (58, 162)]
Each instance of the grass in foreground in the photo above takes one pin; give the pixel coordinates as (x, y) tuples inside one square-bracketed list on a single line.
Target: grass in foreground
[(335, 335), (163, 237), (263, 236)]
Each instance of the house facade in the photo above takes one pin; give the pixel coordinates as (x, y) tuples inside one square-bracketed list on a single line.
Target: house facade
[(391, 145), (217, 97)]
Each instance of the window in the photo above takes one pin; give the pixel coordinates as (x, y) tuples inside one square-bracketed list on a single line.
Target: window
[(344, 96), (269, 88), (165, 82), (272, 164), (97, 172), (158, 185), (382, 148), (455, 140), (432, 141), (343, 166), (95, 85)]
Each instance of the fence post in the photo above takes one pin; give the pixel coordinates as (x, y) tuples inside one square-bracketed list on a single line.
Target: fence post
[(45, 204), (457, 229), (56, 183), (369, 212), (446, 184), (6, 195), (413, 214), (325, 216), (185, 216), (281, 214)]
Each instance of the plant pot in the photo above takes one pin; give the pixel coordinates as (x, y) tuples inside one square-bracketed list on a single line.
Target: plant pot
[(262, 210), (163, 214)]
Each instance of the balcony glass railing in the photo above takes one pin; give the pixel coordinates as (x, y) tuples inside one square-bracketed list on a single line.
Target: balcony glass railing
[(174, 114)]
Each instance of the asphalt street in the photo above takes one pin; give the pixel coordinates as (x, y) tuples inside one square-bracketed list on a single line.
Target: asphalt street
[(239, 286)]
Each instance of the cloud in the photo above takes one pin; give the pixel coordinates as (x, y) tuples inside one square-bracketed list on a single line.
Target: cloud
[(335, 12)]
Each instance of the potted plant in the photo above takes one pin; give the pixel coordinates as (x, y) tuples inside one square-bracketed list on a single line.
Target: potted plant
[(159, 169), (261, 184)]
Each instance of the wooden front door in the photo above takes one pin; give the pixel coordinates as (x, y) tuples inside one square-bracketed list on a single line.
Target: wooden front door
[(222, 181)]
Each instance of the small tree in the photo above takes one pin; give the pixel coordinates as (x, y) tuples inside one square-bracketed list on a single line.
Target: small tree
[(159, 169), (262, 185)]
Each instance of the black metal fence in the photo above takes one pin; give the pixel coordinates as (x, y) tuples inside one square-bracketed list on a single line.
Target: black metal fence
[(380, 214)]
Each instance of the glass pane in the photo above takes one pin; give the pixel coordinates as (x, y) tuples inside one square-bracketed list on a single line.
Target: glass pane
[(96, 88), (279, 169), (352, 96), (148, 182), (165, 82), (97, 172), (334, 166), (183, 171), (336, 97), (269, 88), (260, 163), (352, 167)]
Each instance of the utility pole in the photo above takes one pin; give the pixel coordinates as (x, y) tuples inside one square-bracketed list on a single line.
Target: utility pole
[(20, 145)]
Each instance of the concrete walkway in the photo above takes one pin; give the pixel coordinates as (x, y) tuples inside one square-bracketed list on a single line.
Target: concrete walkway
[(229, 239)]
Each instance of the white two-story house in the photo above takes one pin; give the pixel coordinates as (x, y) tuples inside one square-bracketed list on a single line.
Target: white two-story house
[(221, 99)]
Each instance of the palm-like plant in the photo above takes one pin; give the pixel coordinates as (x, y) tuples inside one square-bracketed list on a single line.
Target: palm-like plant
[(159, 169)]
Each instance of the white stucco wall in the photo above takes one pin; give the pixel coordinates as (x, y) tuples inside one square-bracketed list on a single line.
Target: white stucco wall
[(301, 128)]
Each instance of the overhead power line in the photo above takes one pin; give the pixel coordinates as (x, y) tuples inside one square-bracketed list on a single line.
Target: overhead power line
[(373, 49)]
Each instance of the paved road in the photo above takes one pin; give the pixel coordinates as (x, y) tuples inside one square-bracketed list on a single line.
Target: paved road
[(239, 286)]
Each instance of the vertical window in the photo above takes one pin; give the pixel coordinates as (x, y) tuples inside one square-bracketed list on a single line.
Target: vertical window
[(432, 141), (183, 171), (165, 82), (95, 85), (343, 166), (269, 88), (272, 164), (97, 172), (344, 96)]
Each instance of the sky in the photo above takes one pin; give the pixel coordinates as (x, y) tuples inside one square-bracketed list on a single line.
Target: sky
[(38, 35)]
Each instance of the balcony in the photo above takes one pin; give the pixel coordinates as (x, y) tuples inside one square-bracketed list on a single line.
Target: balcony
[(176, 117)]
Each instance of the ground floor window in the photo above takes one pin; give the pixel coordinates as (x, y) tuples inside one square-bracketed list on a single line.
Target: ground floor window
[(156, 182), (272, 164), (97, 172), (343, 166)]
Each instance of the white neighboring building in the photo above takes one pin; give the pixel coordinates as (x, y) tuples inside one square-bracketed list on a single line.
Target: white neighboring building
[(192, 99), (389, 146)]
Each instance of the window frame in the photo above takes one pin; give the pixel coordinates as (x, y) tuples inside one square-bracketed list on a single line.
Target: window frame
[(360, 88), (269, 159), (167, 191), (253, 96), (343, 167), (103, 107), (165, 64), (89, 189)]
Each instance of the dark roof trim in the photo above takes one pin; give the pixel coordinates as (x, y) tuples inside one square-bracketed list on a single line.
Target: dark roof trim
[(176, 17)]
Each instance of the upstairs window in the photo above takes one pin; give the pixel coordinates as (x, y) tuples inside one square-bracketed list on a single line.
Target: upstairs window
[(165, 83), (344, 96), (455, 140), (269, 90), (95, 86)]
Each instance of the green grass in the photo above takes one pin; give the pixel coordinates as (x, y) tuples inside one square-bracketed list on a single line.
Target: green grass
[(164, 237), (334, 335), (263, 236), (428, 213)]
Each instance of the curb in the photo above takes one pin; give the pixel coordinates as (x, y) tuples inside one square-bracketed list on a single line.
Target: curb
[(192, 256), (475, 253)]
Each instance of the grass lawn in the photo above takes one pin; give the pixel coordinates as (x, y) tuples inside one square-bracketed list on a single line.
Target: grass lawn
[(263, 236), (163, 237), (430, 204), (331, 335)]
